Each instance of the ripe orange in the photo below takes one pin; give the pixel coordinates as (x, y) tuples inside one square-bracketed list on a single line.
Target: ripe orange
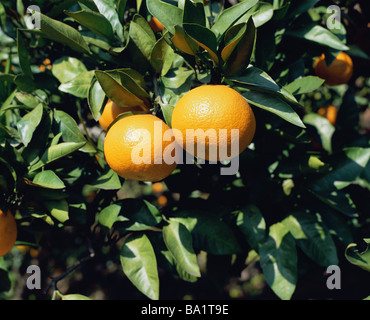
[(338, 72), (157, 187), (329, 112), (134, 136), (214, 107), (162, 200), (8, 232), (111, 111), (156, 25)]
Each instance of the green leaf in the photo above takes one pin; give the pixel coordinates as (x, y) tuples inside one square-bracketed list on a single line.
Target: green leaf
[(162, 56), (107, 181), (178, 240), (137, 215), (48, 179), (95, 98), (251, 222), (304, 85), (274, 105), (61, 32), (23, 55), (324, 128), (65, 69), (229, 16), (360, 259), (27, 99), (78, 86), (203, 37), (194, 13), (167, 14), (58, 209), (313, 237), (130, 84), (347, 169), (94, 21), (109, 215), (28, 124), (241, 54), (116, 92), (108, 10), (121, 9), (56, 152), (319, 35), (142, 35), (140, 265), (278, 259), (209, 233)]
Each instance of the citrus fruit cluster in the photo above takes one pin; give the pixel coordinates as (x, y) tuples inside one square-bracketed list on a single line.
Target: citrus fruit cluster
[(209, 107)]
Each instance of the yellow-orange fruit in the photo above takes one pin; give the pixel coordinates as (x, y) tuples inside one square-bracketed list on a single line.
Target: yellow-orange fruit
[(329, 112), (8, 232), (338, 72), (214, 107)]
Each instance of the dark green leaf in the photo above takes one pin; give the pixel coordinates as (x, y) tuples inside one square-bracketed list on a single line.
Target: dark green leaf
[(360, 259), (313, 237), (94, 21), (95, 98), (324, 128), (23, 55), (253, 225), (304, 85), (278, 259), (194, 13)]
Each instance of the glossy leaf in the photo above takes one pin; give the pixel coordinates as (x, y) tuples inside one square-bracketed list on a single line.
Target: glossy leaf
[(229, 16), (95, 98), (194, 13), (107, 181), (274, 105), (108, 10), (278, 259), (65, 69), (304, 85), (324, 128), (94, 21), (167, 14), (28, 124), (183, 41), (313, 237), (48, 179), (142, 35), (116, 92), (23, 55), (251, 222), (360, 259), (61, 32), (139, 264), (178, 240), (78, 86), (58, 209), (319, 35)]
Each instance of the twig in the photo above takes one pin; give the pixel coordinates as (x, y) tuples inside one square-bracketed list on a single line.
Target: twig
[(158, 98)]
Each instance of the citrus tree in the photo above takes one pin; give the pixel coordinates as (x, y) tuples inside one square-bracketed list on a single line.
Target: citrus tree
[(74, 73)]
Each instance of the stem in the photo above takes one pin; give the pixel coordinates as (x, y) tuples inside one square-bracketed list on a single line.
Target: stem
[(158, 99)]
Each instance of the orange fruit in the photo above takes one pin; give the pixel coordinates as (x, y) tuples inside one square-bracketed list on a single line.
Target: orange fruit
[(42, 68), (157, 187), (338, 72), (112, 110), (329, 112), (8, 232), (162, 200), (135, 151), (156, 25), (214, 107), (46, 61)]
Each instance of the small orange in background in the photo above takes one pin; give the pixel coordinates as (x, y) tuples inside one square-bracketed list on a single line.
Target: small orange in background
[(340, 71), (8, 232), (162, 200), (112, 110), (157, 187), (156, 25), (329, 112)]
